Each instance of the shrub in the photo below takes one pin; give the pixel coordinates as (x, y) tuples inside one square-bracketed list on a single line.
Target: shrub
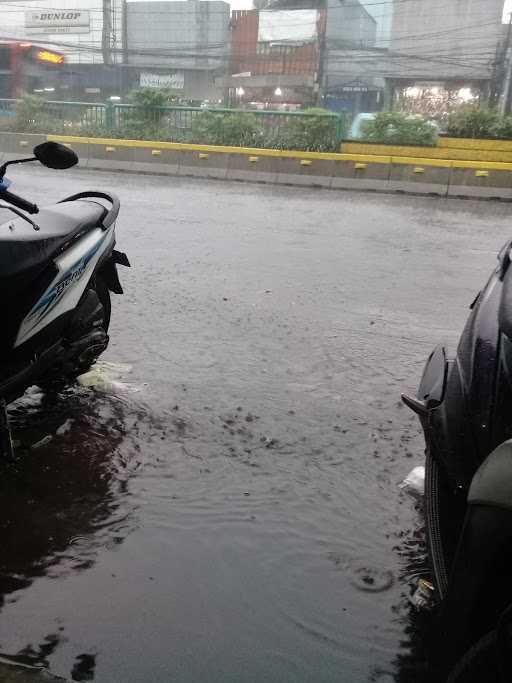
[(399, 129), (473, 122), (239, 129), (315, 133), (145, 118), (31, 115), (504, 128)]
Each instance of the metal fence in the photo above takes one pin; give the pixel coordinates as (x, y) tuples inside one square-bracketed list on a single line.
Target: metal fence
[(166, 123)]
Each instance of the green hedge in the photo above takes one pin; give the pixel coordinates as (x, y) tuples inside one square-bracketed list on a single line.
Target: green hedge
[(473, 122), (149, 119), (395, 128)]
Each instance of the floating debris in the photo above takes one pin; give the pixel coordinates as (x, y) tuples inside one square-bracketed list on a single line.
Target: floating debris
[(105, 376), (423, 597), (414, 482), (65, 427), (42, 442)]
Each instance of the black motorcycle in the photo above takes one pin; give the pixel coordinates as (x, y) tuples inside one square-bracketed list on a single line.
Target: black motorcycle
[(57, 270), (465, 407)]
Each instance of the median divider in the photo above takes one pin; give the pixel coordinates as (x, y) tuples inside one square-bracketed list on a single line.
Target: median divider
[(427, 176), (204, 164), (342, 171), (154, 159), (360, 171), (252, 166), (303, 169), (486, 179), (18, 145)]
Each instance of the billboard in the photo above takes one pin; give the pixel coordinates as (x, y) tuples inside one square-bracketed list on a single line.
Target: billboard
[(176, 81), (63, 21), (287, 26)]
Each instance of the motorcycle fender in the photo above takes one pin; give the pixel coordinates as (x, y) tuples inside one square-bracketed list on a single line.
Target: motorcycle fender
[(109, 271), (433, 383), (492, 483)]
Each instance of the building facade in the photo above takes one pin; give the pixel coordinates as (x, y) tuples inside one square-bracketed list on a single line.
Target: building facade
[(348, 84), (113, 47), (453, 44), (181, 45), (276, 56), (74, 27)]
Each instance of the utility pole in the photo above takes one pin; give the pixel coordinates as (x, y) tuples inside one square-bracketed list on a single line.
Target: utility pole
[(323, 58), (124, 19), (106, 34), (504, 106)]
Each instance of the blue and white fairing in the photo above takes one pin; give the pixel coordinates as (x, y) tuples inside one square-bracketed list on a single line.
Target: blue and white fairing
[(75, 268)]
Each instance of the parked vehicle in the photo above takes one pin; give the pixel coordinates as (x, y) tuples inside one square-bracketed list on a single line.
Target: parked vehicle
[(57, 270), (464, 403), (356, 131)]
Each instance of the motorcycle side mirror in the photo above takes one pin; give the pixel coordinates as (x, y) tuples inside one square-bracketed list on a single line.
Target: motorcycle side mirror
[(55, 155)]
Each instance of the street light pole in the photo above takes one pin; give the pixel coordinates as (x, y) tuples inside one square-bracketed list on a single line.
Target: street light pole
[(106, 32), (507, 58)]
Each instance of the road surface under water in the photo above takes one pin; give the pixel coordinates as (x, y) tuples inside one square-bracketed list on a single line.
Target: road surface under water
[(231, 511)]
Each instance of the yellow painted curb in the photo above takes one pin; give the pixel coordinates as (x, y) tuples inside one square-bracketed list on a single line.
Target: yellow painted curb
[(251, 152), (464, 151), (214, 149), (422, 161), (475, 144), (484, 165)]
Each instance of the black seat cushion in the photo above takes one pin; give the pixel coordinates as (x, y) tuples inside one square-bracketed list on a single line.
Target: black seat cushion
[(24, 250)]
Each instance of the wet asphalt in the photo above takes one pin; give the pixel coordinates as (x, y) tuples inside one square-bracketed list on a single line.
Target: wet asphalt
[(230, 511)]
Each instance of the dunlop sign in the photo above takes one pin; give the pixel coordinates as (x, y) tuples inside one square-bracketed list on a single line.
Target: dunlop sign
[(57, 21)]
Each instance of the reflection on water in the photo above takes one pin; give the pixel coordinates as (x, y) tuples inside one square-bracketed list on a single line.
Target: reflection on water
[(248, 535), (64, 499), (413, 661)]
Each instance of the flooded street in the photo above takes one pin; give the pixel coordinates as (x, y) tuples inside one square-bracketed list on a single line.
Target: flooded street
[(229, 509)]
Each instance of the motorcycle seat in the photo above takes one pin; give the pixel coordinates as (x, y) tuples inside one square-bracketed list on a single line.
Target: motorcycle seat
[(23, 249)]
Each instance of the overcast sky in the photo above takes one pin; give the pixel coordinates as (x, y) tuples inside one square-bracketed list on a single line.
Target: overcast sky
[(506, 10)]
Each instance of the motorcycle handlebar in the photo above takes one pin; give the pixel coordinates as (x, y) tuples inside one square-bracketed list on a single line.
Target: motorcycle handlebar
[(19, 202)]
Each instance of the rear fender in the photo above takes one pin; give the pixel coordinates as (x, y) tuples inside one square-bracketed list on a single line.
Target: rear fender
[(109, 272)]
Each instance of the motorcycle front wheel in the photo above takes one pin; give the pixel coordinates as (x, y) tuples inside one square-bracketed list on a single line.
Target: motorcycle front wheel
[(445, 508)]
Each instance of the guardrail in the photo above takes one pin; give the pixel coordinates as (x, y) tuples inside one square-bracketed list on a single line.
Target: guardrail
[(170, 123)]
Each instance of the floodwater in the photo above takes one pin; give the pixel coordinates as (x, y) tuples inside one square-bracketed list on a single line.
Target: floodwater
[(229, 509)]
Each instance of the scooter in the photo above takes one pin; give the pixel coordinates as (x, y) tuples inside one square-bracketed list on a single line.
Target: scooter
[(464, 403), (57, 271)]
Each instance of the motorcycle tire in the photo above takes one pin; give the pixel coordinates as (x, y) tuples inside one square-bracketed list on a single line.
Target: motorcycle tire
[(434, 490), (479, 664), (445, 509)]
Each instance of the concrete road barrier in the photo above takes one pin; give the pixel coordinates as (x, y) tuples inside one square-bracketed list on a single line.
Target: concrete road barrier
[(419, 175), (253, 167), (156, 160), (493, 181), (111, 155), (203, 164), (425, 176), (316, 172), (359, 172), (19, 145)]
